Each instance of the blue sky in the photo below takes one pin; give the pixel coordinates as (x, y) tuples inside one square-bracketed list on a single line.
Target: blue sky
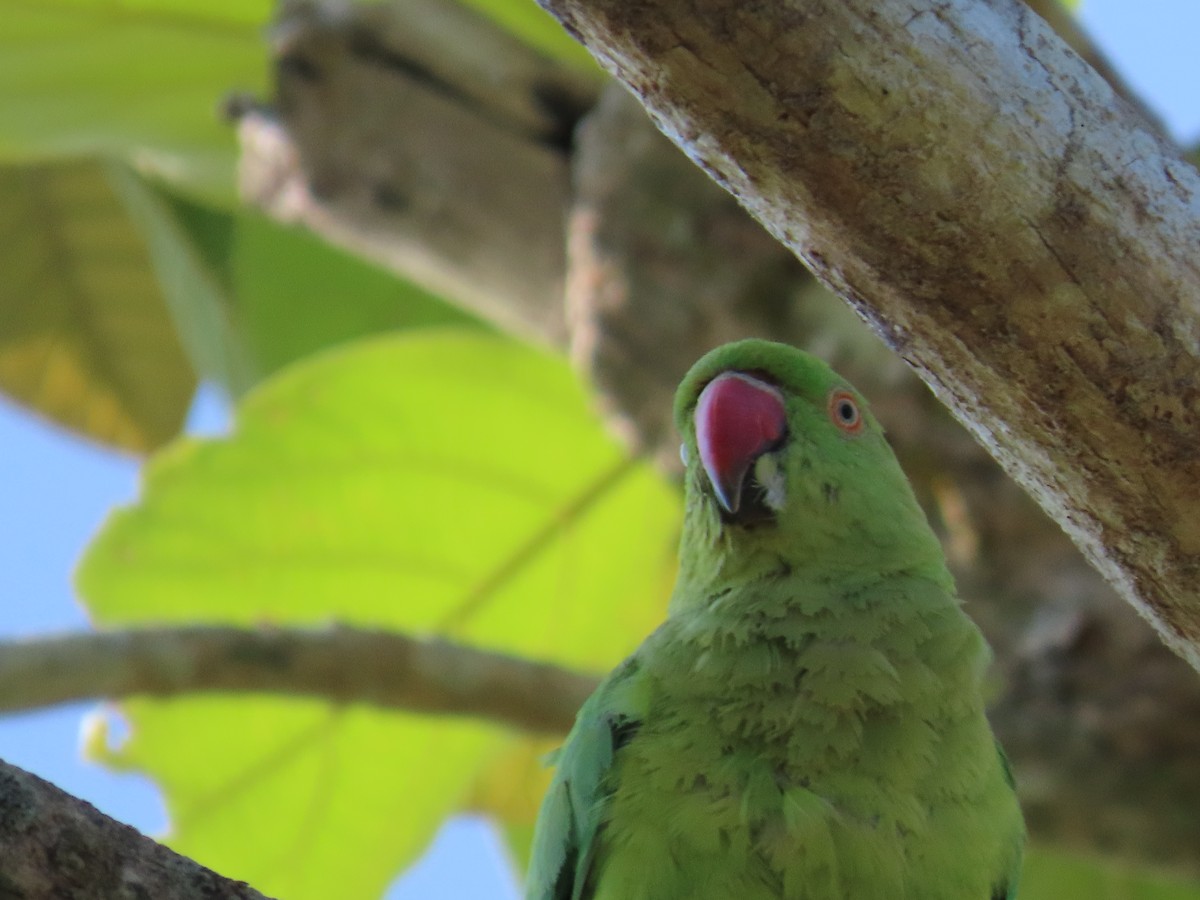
[(56, 490)]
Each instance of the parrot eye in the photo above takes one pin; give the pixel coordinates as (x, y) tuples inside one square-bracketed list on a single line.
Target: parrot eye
[(843, 410)]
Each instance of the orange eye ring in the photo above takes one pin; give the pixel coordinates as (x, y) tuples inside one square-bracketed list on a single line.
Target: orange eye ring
[(844, 412)]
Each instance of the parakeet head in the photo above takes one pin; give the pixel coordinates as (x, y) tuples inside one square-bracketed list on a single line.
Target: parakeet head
[(785, 459)]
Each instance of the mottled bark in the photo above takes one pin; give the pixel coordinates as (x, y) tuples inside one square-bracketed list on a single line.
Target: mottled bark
[(55, 845)]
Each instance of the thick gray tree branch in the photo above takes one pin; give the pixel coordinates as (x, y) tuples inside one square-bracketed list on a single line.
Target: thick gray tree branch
[(1024, 240), (338, 664), (430, 141), (56, 845)]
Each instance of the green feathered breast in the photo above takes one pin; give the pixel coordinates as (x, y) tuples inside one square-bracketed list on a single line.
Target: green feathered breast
[(808, 722)]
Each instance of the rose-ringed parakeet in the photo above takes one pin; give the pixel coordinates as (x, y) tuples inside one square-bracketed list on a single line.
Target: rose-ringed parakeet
[(808, 721)]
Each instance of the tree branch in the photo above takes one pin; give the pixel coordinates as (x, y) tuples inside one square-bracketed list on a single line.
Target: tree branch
[(429, 141), (56, 845), (1062, 19), (1017, 234), (339, 664)]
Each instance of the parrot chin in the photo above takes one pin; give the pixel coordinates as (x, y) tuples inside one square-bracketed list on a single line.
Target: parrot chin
[(756, 508)]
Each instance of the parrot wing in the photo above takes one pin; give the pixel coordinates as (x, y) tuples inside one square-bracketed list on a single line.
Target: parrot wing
[(574, 810), (1007, 888)]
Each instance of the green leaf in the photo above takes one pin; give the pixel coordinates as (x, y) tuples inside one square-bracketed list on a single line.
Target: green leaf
[(434, 482), (250, 295), (302, 800), (511, 788), (1054, 875), (143, 81), (85, 337), (194, 283), (199, 13), (297, 294)]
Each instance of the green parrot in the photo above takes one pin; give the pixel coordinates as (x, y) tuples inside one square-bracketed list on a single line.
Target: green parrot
[(808, 722)]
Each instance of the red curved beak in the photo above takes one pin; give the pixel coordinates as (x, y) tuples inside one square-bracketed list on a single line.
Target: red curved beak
[(738, 418)]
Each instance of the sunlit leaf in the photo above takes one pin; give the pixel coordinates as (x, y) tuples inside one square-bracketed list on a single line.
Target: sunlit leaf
[(302, 800), (250, 295), (195, 286), (143, 81), (201, 13), (436, 482), (510, 788), (297, 294), (85, 338)]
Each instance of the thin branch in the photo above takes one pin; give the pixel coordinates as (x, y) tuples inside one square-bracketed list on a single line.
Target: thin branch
[(1027, 243), (56, 845), (338, 664)]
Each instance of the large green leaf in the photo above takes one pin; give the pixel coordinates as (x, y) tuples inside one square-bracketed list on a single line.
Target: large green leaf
[(140, 80), (436, 482), (250, 295), (85, 338), (296, 294), (196, 285), (299, 799)]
